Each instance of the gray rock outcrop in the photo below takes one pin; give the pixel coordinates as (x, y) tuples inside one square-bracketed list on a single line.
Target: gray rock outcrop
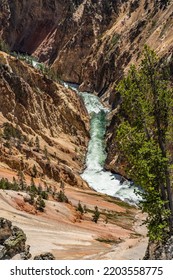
[(160, 251), (12, 241)]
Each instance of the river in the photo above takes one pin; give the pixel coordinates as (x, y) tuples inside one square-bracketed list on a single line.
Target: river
[(94, 174)]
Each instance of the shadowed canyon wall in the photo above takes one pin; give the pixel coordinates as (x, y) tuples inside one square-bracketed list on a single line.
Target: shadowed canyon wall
[(88, 42)]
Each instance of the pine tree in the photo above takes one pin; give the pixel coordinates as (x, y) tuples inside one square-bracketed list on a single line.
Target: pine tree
[(30, 143), (40, 189), (62, 186), (85, 209), (40, 204), (45, 152), (15, 184), (61, 196), (1, 138), (144, 135), (33, 188), (34, 171), (80, 208), (21, 180), (96, 215), (22, 165), (37, 144)]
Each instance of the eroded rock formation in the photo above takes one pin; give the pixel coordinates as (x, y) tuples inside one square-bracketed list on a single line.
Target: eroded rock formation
[(45, 110), (91, 43), (12, 241), (88, 42)]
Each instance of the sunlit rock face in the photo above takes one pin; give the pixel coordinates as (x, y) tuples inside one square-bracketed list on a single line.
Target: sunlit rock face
[(42, 108), (88, 42)]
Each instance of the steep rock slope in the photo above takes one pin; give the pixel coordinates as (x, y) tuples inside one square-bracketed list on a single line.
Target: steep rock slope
[(152, 26), (59, 32), (137, 23), (72, 36), (51, 123), (89, 42)]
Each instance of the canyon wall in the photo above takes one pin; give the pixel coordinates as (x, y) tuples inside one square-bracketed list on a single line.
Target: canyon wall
[(90, 42), (59, 32), (42, 123)]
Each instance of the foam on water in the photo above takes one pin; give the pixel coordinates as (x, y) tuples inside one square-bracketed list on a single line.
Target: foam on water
[(99, 179)]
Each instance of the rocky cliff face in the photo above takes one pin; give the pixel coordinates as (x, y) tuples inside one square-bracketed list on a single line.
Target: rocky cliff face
[(135, 24), (59, 32), (147, 23), (39, 108), (88, 42)]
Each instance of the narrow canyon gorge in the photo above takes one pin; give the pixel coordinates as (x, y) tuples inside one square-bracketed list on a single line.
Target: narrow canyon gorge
[(65, 192)]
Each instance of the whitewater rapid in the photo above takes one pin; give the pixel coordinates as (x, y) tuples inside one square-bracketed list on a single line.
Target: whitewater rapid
[(95, 175)]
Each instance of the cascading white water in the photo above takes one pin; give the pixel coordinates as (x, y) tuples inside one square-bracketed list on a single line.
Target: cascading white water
[(99, 179)]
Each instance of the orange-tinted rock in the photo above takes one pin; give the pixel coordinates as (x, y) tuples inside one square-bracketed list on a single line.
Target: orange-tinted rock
[(42, 109)]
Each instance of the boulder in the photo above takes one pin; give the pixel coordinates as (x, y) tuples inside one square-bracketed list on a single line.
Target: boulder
[(45, 256), (12, 241)]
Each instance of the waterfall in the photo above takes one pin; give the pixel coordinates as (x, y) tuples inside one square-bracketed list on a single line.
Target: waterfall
[(99, 179)]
